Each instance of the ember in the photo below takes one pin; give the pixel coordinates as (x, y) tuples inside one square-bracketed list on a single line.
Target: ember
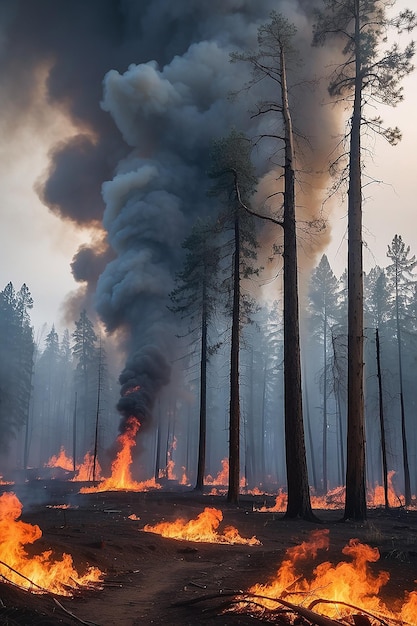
[(202, 529), (39, 573)]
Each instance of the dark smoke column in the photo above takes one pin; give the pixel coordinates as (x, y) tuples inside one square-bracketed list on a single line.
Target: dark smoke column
[(169, 117)]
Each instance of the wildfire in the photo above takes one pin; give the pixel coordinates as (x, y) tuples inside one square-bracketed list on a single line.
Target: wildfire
[(61, 460), (84, 470), (222, 477), (333, 589), (203, 529), (335, 498), (39, 573), (121, 478)]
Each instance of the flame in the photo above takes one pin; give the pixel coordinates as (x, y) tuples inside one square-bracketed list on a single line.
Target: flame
[(332, 587), (121, 478), (39, 573), (335, 498), (376, 497), (85, 470), (61, 460), (184, 478), (202, 529), (222, 477)]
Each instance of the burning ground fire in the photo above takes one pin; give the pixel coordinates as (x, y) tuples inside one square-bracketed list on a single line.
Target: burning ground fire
[(84, 470), (39, 573), (203, 529), (335, 498), (121, 478), (336, 591)]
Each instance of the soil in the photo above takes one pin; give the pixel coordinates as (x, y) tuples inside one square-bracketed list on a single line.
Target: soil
[(152, 580)]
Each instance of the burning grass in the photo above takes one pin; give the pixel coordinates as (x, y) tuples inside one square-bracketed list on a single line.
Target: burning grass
[(40, 573), (341, 592), (202, 529)]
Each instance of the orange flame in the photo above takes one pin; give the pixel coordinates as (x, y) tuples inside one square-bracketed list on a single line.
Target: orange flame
[(84, 470), (335, 498), (38, 573), (60, 460), (202, 529), (222, 477), (332, 588), (121, 478)]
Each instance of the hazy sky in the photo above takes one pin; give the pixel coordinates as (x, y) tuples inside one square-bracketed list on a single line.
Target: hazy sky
[(37, 247)]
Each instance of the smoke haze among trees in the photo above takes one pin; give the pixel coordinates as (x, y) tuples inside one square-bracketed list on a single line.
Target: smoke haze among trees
[(146, 108)]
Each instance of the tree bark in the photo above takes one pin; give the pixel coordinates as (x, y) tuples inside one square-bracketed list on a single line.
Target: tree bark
[(234, 423), (355, 503), (298, 503)]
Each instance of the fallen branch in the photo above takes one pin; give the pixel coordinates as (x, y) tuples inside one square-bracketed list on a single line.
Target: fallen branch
[(24, 577), (78, 619), (312, 616), (350, 606)]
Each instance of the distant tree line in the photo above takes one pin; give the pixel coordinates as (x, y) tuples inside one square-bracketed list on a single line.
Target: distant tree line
[(54, 393)]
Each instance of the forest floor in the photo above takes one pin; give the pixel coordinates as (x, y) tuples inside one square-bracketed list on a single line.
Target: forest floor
[(149, 579)]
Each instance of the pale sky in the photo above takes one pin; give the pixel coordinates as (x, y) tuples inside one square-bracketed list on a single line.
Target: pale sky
[(37, 248)]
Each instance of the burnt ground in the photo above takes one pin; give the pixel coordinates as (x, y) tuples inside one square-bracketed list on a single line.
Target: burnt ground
[(146, 575)]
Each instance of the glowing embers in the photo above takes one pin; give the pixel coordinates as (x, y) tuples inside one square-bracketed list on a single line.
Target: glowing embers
[(202, 529), (336, 591), (121, 478), (39, 573)]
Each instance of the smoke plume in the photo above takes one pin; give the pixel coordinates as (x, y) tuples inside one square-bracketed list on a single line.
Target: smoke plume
[(146, 84)]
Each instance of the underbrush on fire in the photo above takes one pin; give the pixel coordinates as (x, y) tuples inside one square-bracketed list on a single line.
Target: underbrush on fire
[(148, 578)]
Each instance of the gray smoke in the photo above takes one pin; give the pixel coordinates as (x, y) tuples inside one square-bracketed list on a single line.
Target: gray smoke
[(147, 84)]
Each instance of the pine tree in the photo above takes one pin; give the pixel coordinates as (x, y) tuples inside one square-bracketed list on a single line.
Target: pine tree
[(368, 75), (194, 298), (402, 278), (270, 62), (16, 361), (84, 353), (235, 182), (324, 308)]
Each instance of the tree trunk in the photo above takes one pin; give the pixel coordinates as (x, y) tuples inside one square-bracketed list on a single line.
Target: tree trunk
[(325, 481), (201, 464), (355, 503), (382, 421), (298, 504), (234, 421)]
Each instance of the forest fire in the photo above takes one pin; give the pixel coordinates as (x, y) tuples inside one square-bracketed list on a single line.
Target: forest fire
[(334, 499), (121, 478), (336, 591), (203, 529), (39, 573), (84, 470), (222, 478)]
